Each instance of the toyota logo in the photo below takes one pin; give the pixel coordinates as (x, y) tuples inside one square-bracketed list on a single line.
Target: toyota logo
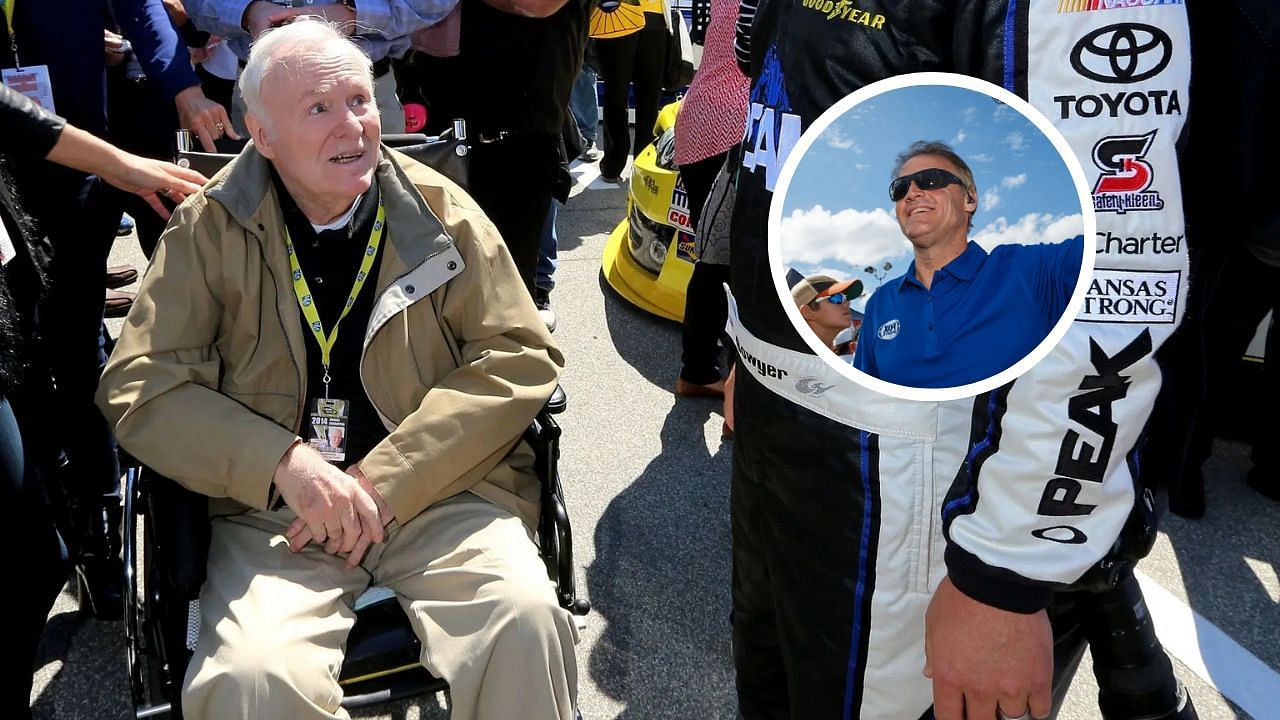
[(1122, 53)]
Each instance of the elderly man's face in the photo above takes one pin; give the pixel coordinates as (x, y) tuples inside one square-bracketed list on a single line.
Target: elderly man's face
[(929, 217), (323, 128)]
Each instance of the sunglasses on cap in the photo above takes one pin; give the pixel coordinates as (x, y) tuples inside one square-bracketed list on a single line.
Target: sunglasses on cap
[(927, 179), (833, 298)]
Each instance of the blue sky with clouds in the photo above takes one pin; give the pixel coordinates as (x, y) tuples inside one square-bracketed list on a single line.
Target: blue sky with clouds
[(837, 217)]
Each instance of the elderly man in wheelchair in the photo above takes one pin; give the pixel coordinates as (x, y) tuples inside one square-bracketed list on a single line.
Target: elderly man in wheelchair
[(388, 454)]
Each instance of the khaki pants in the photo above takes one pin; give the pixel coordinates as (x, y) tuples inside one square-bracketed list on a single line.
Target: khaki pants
[(275, 623), (384, 94)]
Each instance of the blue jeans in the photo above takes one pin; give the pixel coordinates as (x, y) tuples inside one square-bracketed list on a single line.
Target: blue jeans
[(547, 248), (583, 103)]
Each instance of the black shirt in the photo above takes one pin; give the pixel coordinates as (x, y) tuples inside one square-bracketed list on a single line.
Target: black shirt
[(329, 261)]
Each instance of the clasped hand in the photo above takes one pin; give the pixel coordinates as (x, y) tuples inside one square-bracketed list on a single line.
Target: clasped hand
[(343, 510)]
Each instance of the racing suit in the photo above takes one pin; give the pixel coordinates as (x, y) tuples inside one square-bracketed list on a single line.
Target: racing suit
[(849, 507)]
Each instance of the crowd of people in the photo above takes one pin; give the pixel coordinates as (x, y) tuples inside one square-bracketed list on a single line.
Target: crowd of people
[(391, 453)]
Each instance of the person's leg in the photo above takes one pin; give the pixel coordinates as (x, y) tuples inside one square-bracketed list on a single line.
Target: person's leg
[(273, 625), (389, 107), (705, 306), (1265, 474), (81, 220), (476, 591), (646, 77), (1232, 307), (617, 56), (547, 262), (705, 311), (583, 103), (41, 564), (525, 162), (548, 250)]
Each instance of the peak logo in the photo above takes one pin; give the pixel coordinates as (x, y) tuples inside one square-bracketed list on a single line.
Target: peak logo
[(1126, 176), (1122, 53), (1066, 6)]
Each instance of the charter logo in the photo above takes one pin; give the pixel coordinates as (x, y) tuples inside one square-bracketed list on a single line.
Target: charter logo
[(1125, 296), (1089, 5), (889, 330)]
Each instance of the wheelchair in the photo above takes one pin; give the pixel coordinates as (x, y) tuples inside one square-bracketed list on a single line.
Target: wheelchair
[(164, 574)]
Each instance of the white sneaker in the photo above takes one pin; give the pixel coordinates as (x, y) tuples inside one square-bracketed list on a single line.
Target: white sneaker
[(542, 300)]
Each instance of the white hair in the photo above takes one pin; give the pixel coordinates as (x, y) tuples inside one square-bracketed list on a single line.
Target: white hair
[(275, 48)]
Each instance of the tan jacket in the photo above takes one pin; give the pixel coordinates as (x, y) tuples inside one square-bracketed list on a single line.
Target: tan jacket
[(206, 384)]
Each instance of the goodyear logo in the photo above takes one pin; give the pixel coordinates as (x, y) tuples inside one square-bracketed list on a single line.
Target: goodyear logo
[(844, 10)]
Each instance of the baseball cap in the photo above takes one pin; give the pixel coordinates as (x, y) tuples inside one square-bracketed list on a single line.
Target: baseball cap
[(815, 286)]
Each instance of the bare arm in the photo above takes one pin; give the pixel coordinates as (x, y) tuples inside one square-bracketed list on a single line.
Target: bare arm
[(138, 175)]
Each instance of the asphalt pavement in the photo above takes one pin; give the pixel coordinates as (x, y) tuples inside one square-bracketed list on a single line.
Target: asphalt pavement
[(647, 481)]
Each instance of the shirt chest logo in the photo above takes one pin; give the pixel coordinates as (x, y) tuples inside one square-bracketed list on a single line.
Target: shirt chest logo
[(889, 330)]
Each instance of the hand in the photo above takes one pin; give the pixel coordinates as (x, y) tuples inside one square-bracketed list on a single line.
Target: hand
[(982, 658), (206, 118), (149, 178), (114, 46), (333, 507)]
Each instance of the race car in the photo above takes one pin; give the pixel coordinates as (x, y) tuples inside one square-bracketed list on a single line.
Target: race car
[(650, 254)]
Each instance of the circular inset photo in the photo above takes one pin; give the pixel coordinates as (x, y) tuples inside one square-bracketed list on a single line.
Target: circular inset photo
[(927, 236)]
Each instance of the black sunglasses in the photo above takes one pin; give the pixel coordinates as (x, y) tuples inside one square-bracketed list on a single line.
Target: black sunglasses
[(927, 179)]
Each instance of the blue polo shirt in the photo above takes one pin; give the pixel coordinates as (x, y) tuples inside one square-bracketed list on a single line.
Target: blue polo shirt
[(983, 313)]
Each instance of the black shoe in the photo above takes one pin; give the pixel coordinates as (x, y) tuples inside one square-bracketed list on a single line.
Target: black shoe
[(119, 276), (590, 153), (542, 300)]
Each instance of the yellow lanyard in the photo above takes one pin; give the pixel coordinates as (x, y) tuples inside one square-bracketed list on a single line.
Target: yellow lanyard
[(308, 306), (7, 6)]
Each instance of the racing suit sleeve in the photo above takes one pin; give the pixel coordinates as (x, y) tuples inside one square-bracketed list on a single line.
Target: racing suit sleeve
[(156, 44), (1048, 480)]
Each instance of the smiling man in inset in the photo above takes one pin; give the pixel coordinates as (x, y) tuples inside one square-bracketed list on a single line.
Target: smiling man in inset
[(959, 314)]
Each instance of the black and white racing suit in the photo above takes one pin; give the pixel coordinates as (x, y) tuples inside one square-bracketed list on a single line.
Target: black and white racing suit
[(849, 507)]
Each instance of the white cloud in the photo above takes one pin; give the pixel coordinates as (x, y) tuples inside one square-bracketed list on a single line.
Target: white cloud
[(818, 236), (861, 166), (968, 114), (1014, 181), (1004, 113), (990, 199), (1031, 229), (959, 138), (1015, 140), (980, 157), (836, 138)]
